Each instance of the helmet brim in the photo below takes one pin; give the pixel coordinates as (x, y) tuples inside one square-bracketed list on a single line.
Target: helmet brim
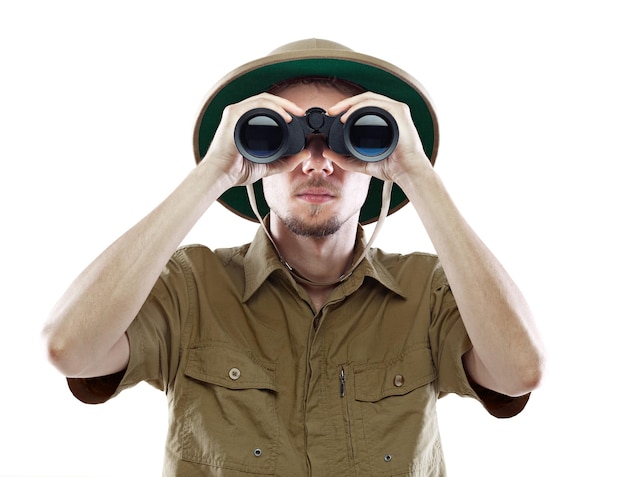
[(318, 58)]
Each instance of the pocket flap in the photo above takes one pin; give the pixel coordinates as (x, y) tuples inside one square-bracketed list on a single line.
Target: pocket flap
[(413, 369), (230, 368)]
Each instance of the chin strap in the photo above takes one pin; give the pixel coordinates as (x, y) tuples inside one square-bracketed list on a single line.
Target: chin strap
[(384, 210)]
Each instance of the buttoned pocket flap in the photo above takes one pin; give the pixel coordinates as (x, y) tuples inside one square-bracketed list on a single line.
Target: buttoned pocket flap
[(230, 368), (413, 369)]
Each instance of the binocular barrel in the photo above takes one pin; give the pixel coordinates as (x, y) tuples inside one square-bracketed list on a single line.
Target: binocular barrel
[(370, 134)]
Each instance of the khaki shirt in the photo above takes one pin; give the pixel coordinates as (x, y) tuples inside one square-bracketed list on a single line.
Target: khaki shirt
[(258, 383)]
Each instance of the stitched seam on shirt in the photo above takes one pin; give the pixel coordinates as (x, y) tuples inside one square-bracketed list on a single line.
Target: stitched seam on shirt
[(192, 305)]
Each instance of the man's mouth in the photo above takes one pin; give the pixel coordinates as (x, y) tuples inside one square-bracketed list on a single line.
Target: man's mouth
[(316, 191), (315, 195)]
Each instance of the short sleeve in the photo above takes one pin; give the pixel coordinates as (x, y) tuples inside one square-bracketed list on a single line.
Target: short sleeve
[(154, 337), (449, 342)]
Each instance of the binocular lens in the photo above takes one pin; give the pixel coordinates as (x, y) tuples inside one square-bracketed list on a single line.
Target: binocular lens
[(371, 135), (262, 136)]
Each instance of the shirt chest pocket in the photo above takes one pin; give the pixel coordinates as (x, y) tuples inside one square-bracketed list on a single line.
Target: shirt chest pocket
[(229, 410), (392, 415)]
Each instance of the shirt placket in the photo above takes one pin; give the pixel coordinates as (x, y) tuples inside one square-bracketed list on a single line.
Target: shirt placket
[(322, 406)]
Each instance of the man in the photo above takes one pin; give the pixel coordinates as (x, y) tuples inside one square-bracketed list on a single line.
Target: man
[(304, 352)]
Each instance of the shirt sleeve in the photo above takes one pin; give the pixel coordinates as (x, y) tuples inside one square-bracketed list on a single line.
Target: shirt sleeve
[(154, 337), (449, 342)]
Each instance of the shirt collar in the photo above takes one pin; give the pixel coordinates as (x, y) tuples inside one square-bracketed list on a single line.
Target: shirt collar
[(261, 261)]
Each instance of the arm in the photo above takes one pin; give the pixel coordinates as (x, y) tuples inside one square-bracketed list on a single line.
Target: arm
[(507, 354), (85, 334)]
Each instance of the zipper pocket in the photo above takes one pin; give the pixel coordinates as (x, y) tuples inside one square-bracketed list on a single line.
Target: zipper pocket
[(342, 394), (342, 383)]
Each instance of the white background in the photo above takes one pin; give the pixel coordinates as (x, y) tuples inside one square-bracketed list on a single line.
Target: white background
[(97, 106)]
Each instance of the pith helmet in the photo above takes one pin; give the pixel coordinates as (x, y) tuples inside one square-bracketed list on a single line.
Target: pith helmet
[(318, 58)]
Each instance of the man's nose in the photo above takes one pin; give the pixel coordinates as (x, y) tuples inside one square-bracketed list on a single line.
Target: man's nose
[(316, 162)]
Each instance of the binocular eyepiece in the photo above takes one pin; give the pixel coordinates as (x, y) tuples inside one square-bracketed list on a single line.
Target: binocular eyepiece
[(263, 136)]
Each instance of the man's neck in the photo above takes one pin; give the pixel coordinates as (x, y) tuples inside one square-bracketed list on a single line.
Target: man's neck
[(318, 259)]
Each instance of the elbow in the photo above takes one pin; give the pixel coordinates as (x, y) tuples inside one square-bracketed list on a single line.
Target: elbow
[(514, 380), (529, 367), (59, 354), (536, 368), (531, 381), (529, 378), (536, 376)]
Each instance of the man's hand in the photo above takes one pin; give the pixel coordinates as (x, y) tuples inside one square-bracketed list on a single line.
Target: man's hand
[(408, 157), (224, 159)]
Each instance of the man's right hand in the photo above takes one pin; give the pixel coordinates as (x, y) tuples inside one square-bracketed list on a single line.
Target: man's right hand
[(223, 158)]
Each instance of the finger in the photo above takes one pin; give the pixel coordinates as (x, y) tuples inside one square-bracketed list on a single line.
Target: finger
[(349, 104), (282, 106), (287, 164), (347, 163)]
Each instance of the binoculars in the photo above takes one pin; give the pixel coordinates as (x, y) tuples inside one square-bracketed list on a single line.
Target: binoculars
[(370, 134)]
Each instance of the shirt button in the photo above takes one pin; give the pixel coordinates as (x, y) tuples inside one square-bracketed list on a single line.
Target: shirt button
[(234, 374), (398, 381)]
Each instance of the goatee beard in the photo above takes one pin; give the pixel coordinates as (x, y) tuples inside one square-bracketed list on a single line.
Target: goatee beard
[(308, 227), (311, 230)]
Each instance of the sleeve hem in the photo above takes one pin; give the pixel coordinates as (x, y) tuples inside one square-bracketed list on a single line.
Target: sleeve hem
[(499, 405), (95, 390), (100, 389)]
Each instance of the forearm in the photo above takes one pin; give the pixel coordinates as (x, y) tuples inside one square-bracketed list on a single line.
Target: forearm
[(507, 354), (85, 331)]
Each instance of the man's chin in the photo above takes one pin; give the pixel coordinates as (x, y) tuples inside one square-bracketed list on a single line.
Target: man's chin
[(312, 227)]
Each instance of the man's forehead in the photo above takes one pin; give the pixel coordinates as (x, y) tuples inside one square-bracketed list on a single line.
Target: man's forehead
[(347, 87), (313, 95)]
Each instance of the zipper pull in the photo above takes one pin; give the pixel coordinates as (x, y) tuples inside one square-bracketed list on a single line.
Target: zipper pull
[(342, 382)]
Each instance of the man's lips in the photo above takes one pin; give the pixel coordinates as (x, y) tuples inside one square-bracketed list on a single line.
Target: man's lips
[(315, 195)]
